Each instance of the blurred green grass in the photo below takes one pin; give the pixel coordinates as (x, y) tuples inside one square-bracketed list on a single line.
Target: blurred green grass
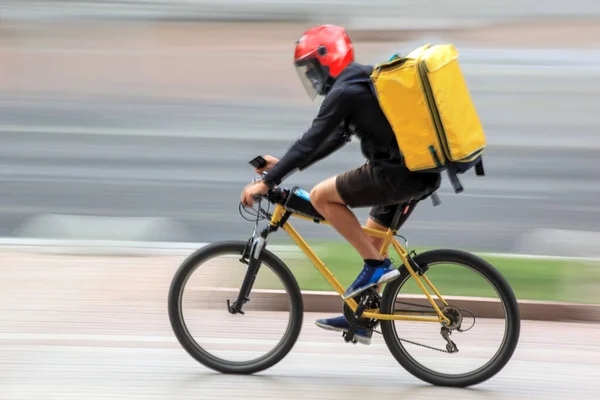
[(531, 279)]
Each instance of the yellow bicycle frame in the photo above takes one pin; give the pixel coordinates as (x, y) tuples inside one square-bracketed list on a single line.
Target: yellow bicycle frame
[(388, 238)]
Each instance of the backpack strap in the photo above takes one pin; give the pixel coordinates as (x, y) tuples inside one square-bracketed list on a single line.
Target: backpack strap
[(479, 171), (454, 181), (453, 175), (435, 199)]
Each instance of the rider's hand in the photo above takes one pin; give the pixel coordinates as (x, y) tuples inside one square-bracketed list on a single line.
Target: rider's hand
[(271, 161), (254, 189)]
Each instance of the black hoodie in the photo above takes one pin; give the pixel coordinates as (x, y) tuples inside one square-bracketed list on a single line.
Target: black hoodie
[(349, 108)]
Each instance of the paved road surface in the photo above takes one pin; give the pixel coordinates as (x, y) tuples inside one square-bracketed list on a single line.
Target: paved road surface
[(97, 328), (187, 160), (198, 181)]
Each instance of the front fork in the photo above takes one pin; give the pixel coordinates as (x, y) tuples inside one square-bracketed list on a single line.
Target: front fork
[(251, 257)]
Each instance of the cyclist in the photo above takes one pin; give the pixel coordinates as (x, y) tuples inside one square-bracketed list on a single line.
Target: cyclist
[(324, 60)]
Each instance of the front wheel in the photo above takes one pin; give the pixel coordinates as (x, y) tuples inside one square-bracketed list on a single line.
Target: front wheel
[(225, 335), (459, 277)]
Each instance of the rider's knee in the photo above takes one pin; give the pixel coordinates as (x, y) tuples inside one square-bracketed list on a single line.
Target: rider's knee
[(316, 195), (326, 192), (321, 193)]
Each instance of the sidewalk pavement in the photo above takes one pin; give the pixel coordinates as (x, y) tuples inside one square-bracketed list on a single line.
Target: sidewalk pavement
[(82, 282)]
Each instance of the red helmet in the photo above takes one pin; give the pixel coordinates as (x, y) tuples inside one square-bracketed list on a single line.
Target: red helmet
[(321, 55)]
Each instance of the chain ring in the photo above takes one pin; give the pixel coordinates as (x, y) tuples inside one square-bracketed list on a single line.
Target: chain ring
[(373, 304)]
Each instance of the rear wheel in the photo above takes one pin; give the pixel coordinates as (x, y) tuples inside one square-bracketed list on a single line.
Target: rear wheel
[(281, 307), (469, 276)]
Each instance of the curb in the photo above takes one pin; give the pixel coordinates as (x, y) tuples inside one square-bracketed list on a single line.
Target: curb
[(101, 247), (560, 241), (92, 227)]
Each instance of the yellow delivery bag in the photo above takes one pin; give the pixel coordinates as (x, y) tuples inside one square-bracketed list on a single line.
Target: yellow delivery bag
[(426, 100)]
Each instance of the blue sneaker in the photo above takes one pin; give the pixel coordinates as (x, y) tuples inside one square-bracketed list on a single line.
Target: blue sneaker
[(339, 324), (372, 276)]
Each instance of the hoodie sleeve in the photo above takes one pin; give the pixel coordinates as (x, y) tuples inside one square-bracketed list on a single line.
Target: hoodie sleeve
[(324, 136), (333, 143)]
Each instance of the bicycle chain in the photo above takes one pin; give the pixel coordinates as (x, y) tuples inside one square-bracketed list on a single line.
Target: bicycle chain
[(410, 341), (419, 344), (416, 305)]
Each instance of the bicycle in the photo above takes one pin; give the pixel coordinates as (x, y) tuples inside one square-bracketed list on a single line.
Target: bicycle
[(368, 310)]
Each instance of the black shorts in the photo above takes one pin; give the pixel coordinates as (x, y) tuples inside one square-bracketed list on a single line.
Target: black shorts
[(363, 187)]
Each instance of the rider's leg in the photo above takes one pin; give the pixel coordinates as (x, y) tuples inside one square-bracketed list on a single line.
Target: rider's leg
[(377, 269), (339, 324), (327, 201), (377, 242), (358, 191), (381, 218)]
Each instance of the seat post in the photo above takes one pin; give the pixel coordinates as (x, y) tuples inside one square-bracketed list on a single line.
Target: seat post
[(400, 216), (396, 219)]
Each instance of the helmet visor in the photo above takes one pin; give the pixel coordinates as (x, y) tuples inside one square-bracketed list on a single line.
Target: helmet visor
[(310, 79), (312, 75)]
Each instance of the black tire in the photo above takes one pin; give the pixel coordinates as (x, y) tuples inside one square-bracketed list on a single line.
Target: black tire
[(269, 260), (506, 295)]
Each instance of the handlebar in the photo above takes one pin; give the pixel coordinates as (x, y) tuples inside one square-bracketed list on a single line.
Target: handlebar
[(276, 195)]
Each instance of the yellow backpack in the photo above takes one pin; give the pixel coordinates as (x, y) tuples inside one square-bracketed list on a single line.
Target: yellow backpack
[(428, 105)]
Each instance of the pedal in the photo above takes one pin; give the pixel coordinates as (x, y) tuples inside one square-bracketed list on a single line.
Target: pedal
[(349, 336), (363, 304)]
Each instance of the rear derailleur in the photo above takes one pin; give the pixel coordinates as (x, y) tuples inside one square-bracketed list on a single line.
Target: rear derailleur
[(450, 345), (456, 318)]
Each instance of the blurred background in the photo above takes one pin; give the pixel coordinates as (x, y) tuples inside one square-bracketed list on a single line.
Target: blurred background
[(134, 120), (145, 113)]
